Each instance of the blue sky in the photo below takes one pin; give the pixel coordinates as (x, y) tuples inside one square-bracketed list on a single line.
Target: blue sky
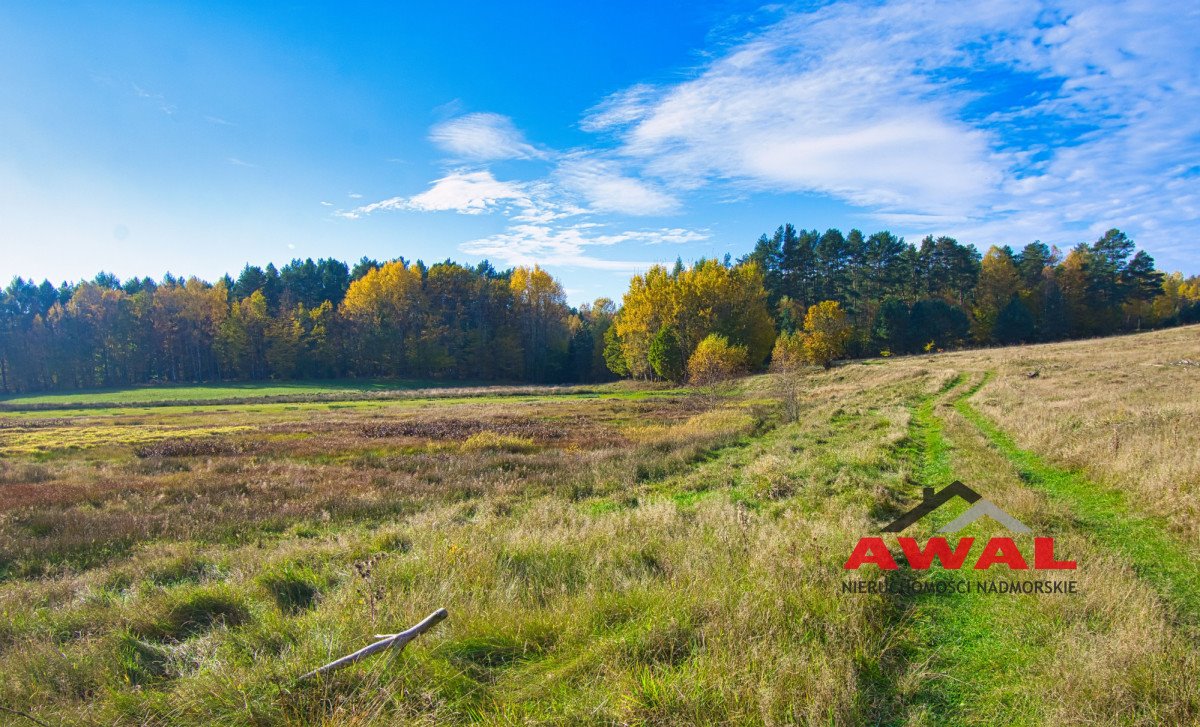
[(595, 139)]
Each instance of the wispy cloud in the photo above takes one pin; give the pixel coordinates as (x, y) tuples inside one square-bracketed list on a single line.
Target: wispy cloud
[(483, 137), (530, 244), (996, 122), (798, 109), (234, 161), (619, 109), (155, 98), (537, 213), (907, 110), (606, 188)]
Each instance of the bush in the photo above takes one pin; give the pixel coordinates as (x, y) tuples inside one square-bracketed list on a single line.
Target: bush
[(788, 354), (714, 361)]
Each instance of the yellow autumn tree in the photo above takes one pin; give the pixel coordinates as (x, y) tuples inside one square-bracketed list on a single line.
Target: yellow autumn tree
[(1177, 293), (385, 295), (646, 308), (543, 317), (694, 303), (826, 333), (384, 307), (998, 282), (1071, 277)]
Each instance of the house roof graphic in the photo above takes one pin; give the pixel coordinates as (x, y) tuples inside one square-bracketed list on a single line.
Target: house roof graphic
[(980, 507)]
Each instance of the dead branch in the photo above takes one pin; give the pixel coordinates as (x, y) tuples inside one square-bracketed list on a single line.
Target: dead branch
[(386, 641), (29, 717)]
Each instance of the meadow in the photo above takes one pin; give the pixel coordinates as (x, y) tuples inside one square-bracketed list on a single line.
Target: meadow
[(609, 554)]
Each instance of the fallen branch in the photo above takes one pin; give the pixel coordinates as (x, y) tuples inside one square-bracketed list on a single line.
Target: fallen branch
[(29, 717), (386, 641)]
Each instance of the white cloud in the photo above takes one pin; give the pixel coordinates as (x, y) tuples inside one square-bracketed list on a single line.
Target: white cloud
[(156, 98), (606, 189), (483, 137), (903, 108), (799, 109), (467, 193), (620, 108), (1129, 81), (530, 244), (995, 122)]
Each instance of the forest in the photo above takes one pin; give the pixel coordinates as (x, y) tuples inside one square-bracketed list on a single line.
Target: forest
[(326, 319)]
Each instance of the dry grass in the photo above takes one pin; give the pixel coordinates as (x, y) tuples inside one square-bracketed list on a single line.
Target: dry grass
[(1120, 409), (605, 560)]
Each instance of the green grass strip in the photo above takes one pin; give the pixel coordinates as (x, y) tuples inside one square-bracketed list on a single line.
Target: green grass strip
[(954, 635), (1145, 541), (975, 649)]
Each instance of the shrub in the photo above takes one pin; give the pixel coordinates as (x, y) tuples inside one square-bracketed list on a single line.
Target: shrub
[(715, 360), (786, 360), (788, 354)]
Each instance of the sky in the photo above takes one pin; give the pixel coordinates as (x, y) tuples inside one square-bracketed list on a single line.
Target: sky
[(594, 139)]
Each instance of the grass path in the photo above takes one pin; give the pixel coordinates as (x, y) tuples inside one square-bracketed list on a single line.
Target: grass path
[(954, 645), (974, 659), (1158, 557), (926, 452)]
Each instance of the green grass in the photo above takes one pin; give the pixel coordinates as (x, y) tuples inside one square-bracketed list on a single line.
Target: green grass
[(324, 390), (1107, 514), (222, 390), (964, 658), (978, 659), (617, 591), (262, 404)]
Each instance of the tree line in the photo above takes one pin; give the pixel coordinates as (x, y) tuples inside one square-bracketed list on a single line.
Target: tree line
[(308, 319), (800, 294), (830, 295)]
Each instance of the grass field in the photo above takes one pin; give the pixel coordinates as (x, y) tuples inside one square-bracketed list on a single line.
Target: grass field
[(608, 555), (234, 393), (203, 392)]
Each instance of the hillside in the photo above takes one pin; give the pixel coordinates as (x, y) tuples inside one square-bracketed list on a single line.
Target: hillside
[(611, 554)]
